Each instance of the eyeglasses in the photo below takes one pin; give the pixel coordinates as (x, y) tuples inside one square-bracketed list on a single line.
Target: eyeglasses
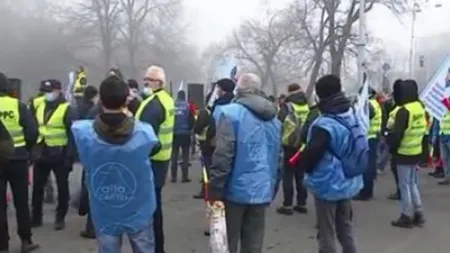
[(148, 79)]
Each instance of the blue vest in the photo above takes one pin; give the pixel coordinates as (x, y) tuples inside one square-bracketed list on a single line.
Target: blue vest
[(181, 125), (119, 178), (254, 174), (327, 180)]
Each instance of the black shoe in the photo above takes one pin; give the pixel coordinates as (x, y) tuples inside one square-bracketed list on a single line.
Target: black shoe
[(433, 173), (285, 210), (4, 251), (301, 209), (173, 180), (186, 180), (28, 246), (199, 196), (361, 197), (394, 196), (206, 233), (59, 224), (88, 234), (439, 175), (36, 222), (403, 222), (418, 219), (444, 182)]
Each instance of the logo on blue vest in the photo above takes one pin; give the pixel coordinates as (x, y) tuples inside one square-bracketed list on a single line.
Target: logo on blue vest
[(115, 184)]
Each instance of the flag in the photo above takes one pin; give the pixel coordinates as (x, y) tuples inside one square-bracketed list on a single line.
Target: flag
[(181, 86), (362, 106), (69, 94), (226, 68), (437, 90)]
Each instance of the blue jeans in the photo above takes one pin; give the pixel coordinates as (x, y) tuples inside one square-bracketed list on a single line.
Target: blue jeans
[(141, 242), (445, 156), (410, 201)]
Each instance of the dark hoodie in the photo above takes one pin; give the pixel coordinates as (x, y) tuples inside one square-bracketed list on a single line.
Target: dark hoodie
[(314, 150), (404, 92), (224, 154)]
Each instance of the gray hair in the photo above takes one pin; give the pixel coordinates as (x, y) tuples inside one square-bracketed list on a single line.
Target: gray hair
[(248, 82)]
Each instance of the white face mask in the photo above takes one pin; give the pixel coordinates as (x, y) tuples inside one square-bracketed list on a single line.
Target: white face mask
[(51, 96), (147, 90)]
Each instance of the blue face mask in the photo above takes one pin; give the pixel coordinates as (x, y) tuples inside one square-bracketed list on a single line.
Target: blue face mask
[(50, 97)]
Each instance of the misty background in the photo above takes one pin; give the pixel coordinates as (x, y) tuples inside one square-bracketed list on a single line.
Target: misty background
[(283, 41)]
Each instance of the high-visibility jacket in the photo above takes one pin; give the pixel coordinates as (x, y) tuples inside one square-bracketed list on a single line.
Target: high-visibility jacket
[(375, 122), (53, 132), (445, 125), (10, 117), (411, 144), (165, 134), (78, 86), (202, 135), (293, 123), (37, 101), (391, 119)]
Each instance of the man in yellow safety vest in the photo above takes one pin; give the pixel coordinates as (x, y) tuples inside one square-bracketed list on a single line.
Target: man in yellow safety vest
[(53, 152), (22, 128), (406, 144), (159, 111)]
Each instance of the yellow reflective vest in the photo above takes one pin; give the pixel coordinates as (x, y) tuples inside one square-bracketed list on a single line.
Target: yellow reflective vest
[(10, 117), (53, 132), (391, 119), (375, 122), (290, 125), (37, 101), (411, 144), (444, 127), (165, 134)]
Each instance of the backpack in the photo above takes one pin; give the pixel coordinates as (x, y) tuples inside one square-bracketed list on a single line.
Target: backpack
[(292, 128), (355, 156)]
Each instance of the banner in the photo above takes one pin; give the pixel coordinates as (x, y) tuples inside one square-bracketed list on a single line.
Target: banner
[(436, 90), (69, 94)]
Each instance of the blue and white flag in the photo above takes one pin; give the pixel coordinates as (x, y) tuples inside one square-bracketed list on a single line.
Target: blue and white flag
[(436, 90), (362, 107), (69, 94)]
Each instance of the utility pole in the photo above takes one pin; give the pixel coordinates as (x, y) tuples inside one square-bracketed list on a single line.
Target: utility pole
[(361, 42)]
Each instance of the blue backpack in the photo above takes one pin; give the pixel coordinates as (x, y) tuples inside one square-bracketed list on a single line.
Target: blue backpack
[(355, 156)]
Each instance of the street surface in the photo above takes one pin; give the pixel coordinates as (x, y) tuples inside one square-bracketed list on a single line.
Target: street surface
[(185, 220)]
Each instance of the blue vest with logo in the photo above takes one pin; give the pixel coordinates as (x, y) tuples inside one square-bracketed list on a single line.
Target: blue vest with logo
[(181, 125), (119, 178), (254, 173), (328, 181)]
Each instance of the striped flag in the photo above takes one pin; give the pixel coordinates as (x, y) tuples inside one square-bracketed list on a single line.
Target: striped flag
[(362, 106), (436, 90)]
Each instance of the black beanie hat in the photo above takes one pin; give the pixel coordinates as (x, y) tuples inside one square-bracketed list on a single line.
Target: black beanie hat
[(4, 83), (328, 86), (90, 92), (226, 84)]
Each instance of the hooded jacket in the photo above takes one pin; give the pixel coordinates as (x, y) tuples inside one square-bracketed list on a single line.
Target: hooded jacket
[(6, 145), (405, 92), (245, 164)]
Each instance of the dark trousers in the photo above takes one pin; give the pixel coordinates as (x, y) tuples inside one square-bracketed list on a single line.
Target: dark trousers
[(158, 225), (293, 175), (395, 173), (371, 173), (245, 227), (16, 174), (41, 173), (180, 142)]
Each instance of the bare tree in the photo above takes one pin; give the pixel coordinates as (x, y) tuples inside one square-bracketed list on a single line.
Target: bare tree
[(329, 27), (259, 43)]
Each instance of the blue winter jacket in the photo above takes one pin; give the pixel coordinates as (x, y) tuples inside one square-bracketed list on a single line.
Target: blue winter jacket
[(245, 165), (327, 181)]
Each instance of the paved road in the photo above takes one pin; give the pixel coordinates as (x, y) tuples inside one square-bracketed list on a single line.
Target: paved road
[(184, 223)]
